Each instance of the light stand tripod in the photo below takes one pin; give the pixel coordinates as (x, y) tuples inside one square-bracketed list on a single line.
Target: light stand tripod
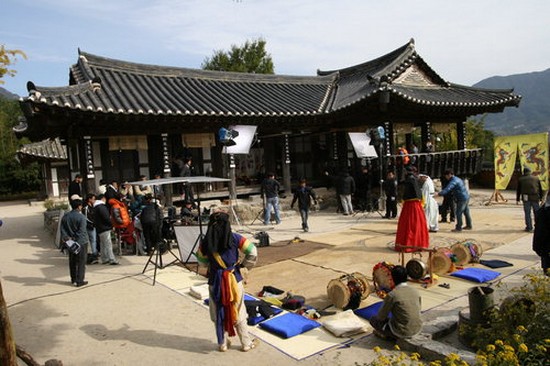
[(158, 262), (158, 253), (382, 198), (200, 236)]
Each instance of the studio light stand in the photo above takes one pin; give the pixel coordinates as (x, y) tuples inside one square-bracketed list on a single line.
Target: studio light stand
[(363, 149), (158, 261)]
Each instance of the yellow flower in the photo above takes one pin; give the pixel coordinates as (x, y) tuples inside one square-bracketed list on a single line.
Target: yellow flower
[(521, 328), (541, 348), (547, 341), (377, 349), (396, 347), (508, 348), (490, 348), (523, 348), (453, 357), (498, 342), (415, 356)]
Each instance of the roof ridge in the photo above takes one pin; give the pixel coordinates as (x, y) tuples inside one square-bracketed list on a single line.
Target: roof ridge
[(149, 69)]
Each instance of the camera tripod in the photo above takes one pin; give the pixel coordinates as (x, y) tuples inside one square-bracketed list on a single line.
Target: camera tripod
[(158, 252)]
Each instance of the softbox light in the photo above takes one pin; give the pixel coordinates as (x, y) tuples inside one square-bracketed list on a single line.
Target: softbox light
[(243, 140), (361, 145)]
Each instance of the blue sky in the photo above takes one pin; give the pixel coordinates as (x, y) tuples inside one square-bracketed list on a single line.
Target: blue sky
[(464, 41)]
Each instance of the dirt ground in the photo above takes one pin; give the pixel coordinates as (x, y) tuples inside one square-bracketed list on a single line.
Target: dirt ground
[(121, 319)]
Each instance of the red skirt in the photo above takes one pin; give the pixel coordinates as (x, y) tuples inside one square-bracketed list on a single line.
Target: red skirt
[(412, 229)]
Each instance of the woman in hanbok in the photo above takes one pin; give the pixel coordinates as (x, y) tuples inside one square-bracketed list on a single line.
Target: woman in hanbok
[(431, 209)]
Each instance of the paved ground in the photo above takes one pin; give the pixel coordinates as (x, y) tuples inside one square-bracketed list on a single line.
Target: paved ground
[(121, 319)]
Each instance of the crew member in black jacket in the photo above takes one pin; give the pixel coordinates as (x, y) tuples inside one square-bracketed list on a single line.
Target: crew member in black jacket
[(304, 195)]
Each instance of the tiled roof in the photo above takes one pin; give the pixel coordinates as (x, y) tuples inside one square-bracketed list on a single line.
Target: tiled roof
[(404, 74), (105, 85), (112, 86), (49, 149)]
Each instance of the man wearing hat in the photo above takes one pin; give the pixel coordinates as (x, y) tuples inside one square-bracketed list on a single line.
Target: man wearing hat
[(529, 191), (73, 227)]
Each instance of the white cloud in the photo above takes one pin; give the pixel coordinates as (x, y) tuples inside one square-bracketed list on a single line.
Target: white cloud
[(463, 41)]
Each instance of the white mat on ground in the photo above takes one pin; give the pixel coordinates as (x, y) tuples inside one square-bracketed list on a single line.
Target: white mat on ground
[(177, 278), (303, 345), (298, 347)]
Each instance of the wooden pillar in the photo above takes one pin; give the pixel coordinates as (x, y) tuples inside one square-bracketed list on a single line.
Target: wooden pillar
[(89, 165), (425, 135), (166, 170), (408, 142), (286, 165), (388, 141), (461, 135), (233, 178)]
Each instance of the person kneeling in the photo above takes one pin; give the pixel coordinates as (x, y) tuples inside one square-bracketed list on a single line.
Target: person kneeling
[(404, 304)]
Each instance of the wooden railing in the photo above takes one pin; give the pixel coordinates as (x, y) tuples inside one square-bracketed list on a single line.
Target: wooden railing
[(465, 163)]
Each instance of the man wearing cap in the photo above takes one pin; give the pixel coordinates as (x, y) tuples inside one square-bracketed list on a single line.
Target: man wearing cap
[(73, 227), (529, 191)]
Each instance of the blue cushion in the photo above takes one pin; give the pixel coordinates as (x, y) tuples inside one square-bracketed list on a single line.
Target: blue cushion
[(260, 318), (257, 319), (495, 263), (479, 275), (370, 311), (289, 325)]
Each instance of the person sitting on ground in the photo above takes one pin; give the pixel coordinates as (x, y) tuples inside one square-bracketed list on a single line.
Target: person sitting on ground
[(404, 304), (219, 250)]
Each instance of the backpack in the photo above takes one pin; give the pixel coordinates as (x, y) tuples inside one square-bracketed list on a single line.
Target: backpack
[(120, 217)]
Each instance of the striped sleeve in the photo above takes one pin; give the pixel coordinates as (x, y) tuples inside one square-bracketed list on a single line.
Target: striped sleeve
[(249, 250)]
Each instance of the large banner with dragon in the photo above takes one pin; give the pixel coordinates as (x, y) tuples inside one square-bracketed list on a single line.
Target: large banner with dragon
[(532, 151)]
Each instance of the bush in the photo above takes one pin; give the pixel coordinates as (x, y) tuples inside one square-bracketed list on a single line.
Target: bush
[(519, 333), (52, 205)]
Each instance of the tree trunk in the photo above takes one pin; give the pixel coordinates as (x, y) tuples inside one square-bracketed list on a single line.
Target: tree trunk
[(7, 344)]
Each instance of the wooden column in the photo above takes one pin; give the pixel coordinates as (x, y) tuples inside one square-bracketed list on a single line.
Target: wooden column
[(461, 135), (425, 135), (89, 165), (233, 178), (166, 170), (388, 142), (286, 165)]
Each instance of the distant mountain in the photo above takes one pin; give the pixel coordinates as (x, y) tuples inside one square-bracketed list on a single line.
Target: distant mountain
[(533, 113), (5, 94)]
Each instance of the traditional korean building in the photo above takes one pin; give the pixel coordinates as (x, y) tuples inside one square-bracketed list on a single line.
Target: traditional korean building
[(120, 119)]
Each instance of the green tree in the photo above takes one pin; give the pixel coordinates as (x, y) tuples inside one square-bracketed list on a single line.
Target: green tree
[(251, 57), (14, 178), (476, 137)]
